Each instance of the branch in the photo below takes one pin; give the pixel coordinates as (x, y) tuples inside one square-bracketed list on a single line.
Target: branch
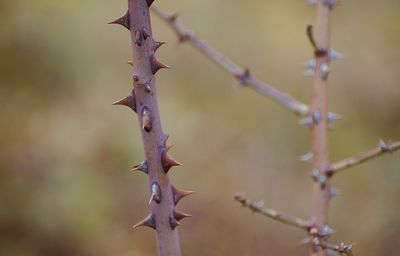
[(239, 73), (341, 248), (383, 148), (273, 214)]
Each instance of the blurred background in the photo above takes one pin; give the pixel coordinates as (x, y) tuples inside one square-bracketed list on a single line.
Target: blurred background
[(65, 186)]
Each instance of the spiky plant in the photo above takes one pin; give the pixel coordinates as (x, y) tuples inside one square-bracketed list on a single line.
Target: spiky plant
[(163, 217)]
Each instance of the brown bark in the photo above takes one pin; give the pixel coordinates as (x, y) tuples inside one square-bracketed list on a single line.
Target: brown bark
[(319, 129), (143, 100)]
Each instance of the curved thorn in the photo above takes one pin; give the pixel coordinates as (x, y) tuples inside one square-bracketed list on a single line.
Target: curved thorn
[(178, 194), (141, 167), (157, 44), (129, 101), (124, 21), (147, 222), (155, 65), (181, 215), (167, 161)]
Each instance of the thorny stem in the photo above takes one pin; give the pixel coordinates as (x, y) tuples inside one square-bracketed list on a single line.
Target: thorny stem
[(383, 148), (143, 100), (243, 75), (271, 213), (319, 129)]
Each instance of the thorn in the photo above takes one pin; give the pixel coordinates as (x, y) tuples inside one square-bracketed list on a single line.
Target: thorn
[(181, 215), (242, 76), (324, 71), (167, 161), (155, 193), (334, 55), (326, 231), (310, 64), (333, 192), (149, 2), (155, 65), (157, 44), (148, 89), (315, 175), (147, 222), (306, 121), (173, 17), (129, 62), (306, 157), (309, 73), (141, 167), (333, 117), (146, 119), (124, 20), (316, 117), (312, 2), (178, 194), (129, 101), (173, 222), (384, 147)]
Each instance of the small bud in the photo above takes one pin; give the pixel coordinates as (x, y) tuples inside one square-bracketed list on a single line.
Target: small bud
[(315, 174), (327, 231), (316, 117), (324, 71), (147, 122), (155, 193), (384, 147), (310, 64), (306, 121)]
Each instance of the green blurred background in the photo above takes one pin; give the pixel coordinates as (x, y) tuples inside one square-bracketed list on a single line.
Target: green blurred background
[(65, 186)]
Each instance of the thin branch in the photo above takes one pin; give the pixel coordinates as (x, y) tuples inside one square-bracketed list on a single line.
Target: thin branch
[(239, 73), (258, 207), (383, 148), (318, 243)]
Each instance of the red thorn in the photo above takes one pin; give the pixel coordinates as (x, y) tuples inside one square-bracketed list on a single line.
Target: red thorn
[(167, 161), (124, 21), (178, 194), (155, 65), (173, 222), (157, 45), (181, 215), (147, 222), (147, 122), (149, 2), (142, 167), (129, 101)]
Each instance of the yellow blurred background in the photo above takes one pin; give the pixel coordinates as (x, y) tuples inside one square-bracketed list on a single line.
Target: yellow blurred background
[(65, 186)]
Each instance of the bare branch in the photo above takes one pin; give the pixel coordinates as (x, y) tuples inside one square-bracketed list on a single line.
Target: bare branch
[(318, 243), (239, 73), (383, 148), (258, 207)]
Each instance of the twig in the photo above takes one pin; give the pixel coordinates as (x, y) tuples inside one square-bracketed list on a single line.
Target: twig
[(383, 148), (318, 243), (241, 74), (258, 207)]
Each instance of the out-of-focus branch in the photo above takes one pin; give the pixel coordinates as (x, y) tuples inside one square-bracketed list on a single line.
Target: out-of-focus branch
[(273, 214), (243, 75), (341, 248), (383, 148)]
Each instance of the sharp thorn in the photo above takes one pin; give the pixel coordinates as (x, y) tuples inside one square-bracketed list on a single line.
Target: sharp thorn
[(147, 222), (155, 65), (149, 2), (141, 167), (167, 161), (173, 222), (124, 21), (181, 215), (157, 45), (178, 194), (306, 157), (129, 101)]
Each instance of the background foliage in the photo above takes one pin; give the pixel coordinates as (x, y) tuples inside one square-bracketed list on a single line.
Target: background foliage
[(65, 186)]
